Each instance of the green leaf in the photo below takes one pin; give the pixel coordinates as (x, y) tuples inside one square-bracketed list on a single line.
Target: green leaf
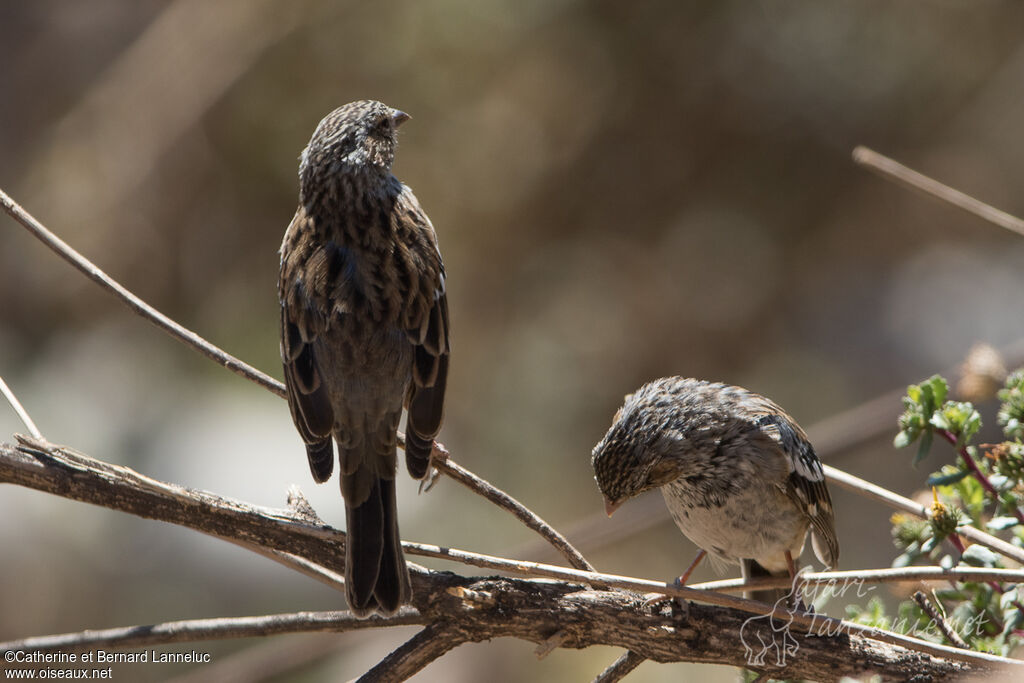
[(905, 560), (1011, 411), (947, 479), (903, 439), (939, 388), (930, 544), (924, 447), (979, 556), (958, 418)]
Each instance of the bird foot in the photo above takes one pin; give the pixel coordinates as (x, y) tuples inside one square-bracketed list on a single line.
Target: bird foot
[(657, 601), (438, 453), (427, 482)]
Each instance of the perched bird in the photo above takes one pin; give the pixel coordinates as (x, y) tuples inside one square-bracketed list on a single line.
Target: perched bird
[(738, 475), (364, 331)]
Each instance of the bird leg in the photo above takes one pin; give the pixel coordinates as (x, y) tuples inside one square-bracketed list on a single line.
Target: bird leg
[(681, 581), (796, 598), (655, 598)]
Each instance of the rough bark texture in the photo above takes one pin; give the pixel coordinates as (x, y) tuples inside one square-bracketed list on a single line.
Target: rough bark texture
[(464, 609)]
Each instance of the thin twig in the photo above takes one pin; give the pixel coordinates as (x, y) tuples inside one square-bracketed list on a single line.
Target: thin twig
[(875, 492), (928, 608), (414, 654), (620, 668), (179, 332), (212, 629), (845, 580), (26, 419), (444, 464), (300, 564), (893, 170), (507, 502)]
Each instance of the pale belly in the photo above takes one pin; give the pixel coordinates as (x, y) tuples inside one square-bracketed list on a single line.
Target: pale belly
[(759, 523)]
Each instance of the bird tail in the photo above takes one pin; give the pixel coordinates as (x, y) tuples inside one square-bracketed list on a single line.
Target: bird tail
[(753, 570), (376, 577)]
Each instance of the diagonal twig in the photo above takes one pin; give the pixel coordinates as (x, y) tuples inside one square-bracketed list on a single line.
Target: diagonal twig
[(176, 330), (414, 654), (875, 492), (893, 170), (620, 668), (180, 332), (928, 608), (507, 502), (26, 419)]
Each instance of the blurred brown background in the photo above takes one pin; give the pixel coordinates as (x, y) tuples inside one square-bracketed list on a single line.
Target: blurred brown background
[(621, 190)]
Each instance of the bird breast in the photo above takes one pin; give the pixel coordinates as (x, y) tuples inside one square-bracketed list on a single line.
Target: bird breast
[(757, 522)]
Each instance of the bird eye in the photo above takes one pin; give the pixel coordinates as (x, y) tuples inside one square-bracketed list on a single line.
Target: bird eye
[(384, 126)]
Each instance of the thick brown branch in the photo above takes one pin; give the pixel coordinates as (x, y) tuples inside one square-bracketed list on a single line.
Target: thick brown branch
[(533, 610)]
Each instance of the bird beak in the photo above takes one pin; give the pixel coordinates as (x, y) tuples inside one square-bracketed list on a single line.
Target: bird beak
[(611, 506), (399, 117)]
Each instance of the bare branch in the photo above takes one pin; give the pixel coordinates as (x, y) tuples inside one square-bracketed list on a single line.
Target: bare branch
[(429, 644), (908, 177), (869, 576), (875, 492), (620, 668), (484, 608), (26, 419), (442, 461), (507, 502), (212, 629), (179, 332), (928, 608)]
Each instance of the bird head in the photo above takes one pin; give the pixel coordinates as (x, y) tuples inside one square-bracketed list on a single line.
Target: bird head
[(629, 459), (356, 138)]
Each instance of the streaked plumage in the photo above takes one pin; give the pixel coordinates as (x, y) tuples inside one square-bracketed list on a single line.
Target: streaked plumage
[(364, 331), (738, 475)]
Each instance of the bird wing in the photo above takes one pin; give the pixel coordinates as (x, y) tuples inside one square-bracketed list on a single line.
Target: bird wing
[(805, 485), (428, 332), (300, 326)]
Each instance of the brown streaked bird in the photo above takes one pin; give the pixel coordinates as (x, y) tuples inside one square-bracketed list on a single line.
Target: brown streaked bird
[(364, 332), (738, 475)]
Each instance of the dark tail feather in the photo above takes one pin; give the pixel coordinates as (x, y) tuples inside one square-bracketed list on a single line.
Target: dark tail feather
[(376, 578), (393, 588), (321, 459), (752, 570)]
